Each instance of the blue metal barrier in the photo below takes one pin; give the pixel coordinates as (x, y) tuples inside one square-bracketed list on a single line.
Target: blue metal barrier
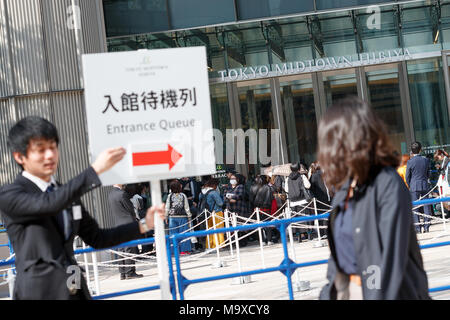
[(135, 243), (11, 251), (430, 201), (287, 266)]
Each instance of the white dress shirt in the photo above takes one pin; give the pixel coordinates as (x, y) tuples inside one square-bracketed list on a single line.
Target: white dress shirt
[(43, 185)]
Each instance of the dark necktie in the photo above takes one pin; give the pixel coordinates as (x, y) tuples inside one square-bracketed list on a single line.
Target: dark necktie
[(63, 217)]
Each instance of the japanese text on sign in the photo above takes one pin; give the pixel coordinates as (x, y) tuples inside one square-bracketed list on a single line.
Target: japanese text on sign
[(152, 100)]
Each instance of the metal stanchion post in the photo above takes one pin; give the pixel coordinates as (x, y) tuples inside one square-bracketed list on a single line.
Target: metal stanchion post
[(245, 279), (207, 229), (96, 278), (258, 219), (227, 225), (86, 266), (319, 243), (442, 208), (219, 263), (11, 281), (298, 285)]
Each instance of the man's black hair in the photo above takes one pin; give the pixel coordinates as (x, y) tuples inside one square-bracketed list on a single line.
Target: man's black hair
[(240, 178), (30, 128), (131, 189), (295, 166), (416, 147)]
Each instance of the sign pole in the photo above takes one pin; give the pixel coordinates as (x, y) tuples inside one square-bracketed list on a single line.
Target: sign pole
[(160, 242)]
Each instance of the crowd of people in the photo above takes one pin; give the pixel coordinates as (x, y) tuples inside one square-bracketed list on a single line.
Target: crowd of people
[(419, 174), (359, 178), (369, 194), (187, 198)]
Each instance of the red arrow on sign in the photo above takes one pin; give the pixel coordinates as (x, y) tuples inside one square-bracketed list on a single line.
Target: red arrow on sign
[(170, 157)]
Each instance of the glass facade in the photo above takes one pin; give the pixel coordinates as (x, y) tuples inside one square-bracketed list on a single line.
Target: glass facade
[(221, 118), (252, 9), (390, 57), (420, 27), (339, 84), (445, 25), (429, 108), (297, 97), (384, 96), (186, 14), (383, 33), (336, 36), (125, 17), (333, 4), (255, 106)]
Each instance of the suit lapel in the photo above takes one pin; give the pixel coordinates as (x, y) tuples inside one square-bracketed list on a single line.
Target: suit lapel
[(33, 188), (29, 185)]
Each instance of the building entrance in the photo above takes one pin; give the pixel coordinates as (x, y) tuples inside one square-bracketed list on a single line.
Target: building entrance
[(294, 104)]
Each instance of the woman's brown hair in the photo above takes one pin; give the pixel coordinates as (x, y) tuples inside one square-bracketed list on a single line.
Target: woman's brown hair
[(175, 186), (353, 141), (212, 183), (314, 167)]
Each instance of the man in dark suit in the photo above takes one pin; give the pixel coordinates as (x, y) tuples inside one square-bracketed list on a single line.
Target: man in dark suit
[(42, 216), (417, 171), (123, 213)]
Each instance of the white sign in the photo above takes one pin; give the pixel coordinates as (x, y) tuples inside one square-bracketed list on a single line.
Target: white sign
[(154, 103)]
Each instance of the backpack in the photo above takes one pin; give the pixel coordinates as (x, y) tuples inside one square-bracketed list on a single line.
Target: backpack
[(297, 190), (203, 203), (264, 197), (178, 209)]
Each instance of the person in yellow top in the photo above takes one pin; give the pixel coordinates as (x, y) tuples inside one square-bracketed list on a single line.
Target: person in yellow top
[(402, 168)]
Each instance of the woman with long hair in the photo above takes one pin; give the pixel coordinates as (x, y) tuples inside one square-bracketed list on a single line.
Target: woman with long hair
[(374, 249)]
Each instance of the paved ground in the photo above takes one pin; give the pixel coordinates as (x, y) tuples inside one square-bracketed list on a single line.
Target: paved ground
[(272, 285)]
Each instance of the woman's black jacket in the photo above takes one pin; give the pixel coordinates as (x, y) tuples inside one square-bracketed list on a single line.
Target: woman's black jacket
[(387, 252)]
